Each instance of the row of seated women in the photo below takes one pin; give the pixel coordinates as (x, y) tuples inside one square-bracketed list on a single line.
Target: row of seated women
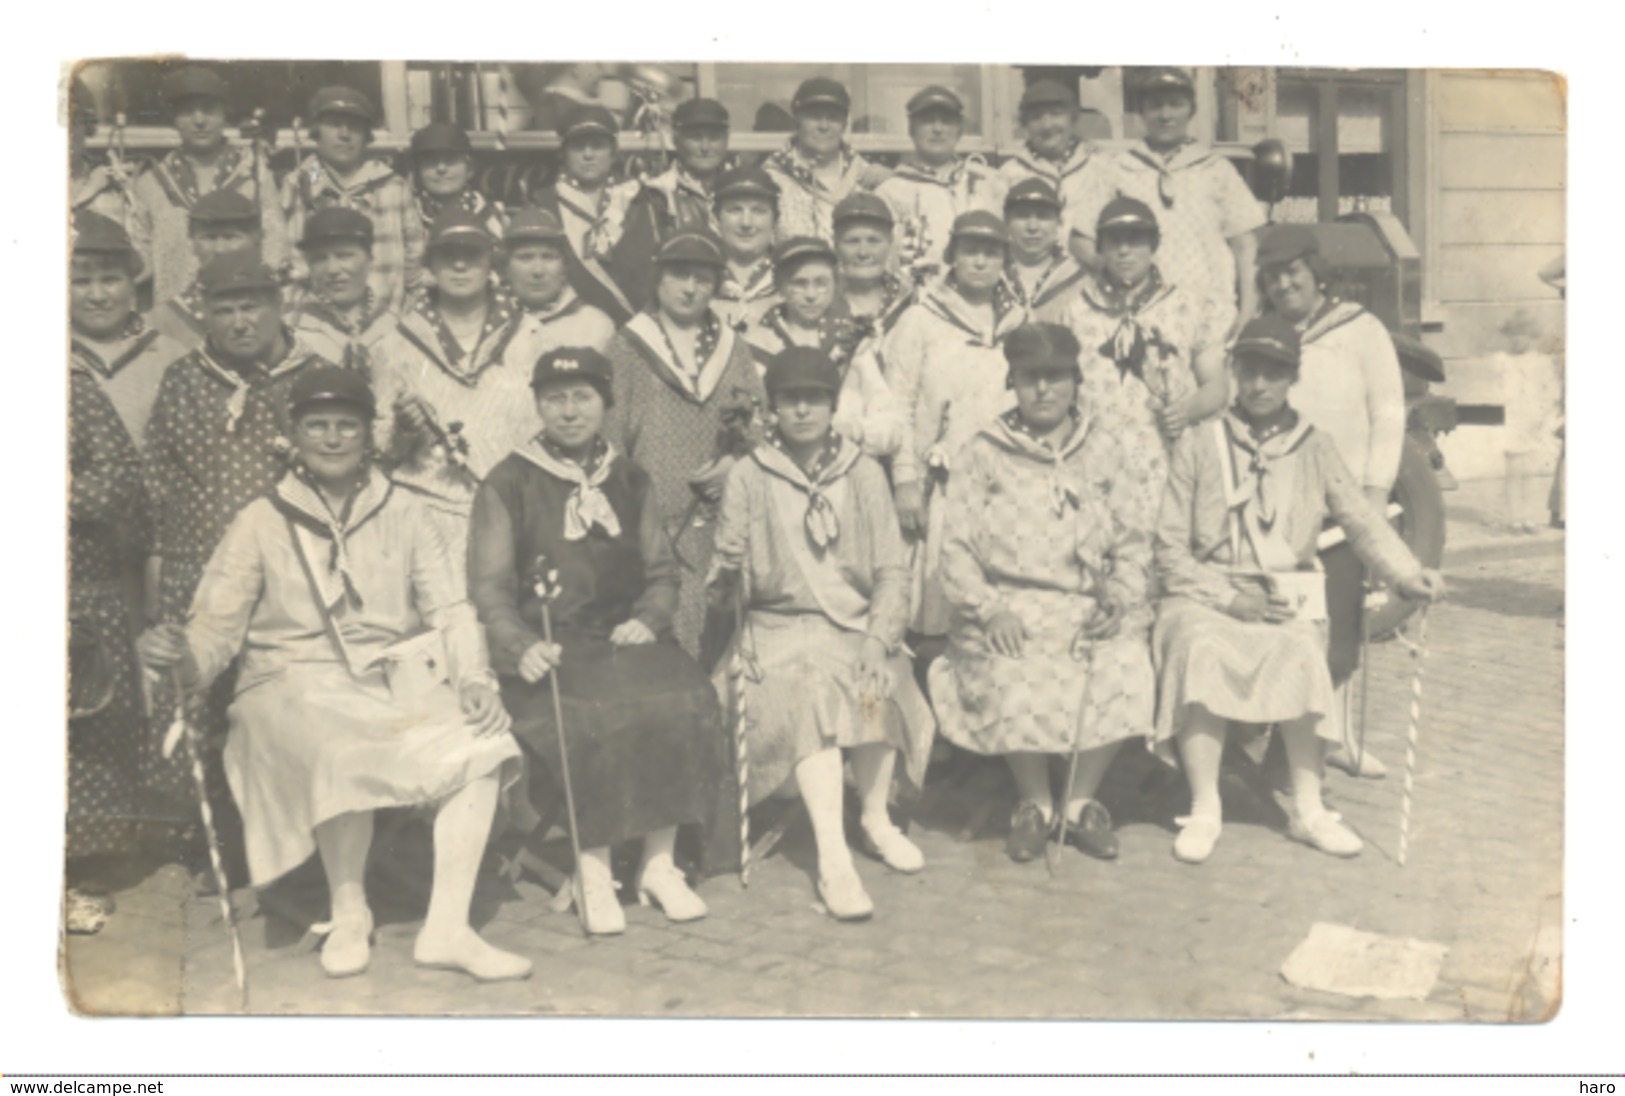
[(1083, 608)]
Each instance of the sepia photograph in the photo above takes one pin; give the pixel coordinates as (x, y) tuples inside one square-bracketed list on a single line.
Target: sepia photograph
[(735, 539)]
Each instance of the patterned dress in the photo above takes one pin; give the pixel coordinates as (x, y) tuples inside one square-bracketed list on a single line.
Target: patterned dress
[(925, 202), (130, 367), (169, 189), (1243, 513), (821, 560), (806, 203), (674, 422), (111, 750), (647, 748), (386, 199), (1201, 204), (1042, 533)]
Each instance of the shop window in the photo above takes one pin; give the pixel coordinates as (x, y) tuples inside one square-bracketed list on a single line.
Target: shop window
[(758, 95)]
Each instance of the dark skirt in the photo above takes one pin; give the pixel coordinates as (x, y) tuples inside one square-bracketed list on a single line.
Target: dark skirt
[(647, 744)]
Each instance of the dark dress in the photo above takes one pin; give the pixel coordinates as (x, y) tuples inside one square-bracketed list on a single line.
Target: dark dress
[(646, 738), (110, 748)]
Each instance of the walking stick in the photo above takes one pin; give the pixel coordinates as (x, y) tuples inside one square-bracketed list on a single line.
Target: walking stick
[(1358, 753), (736, 671), (182, 729), (1083, 650), (545, 583), (1419, 652)]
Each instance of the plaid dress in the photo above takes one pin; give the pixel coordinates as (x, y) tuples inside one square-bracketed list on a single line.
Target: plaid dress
[(1043, 533), (386, 199)]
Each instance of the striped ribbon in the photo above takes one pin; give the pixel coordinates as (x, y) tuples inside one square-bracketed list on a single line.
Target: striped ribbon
[(181, 729), (1419, 652)]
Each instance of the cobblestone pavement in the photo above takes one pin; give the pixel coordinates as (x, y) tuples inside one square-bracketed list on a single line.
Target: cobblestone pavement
[(976, 935)]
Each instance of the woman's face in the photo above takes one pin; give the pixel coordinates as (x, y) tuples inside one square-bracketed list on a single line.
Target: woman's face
[(701, 149), (746, 226), (338, 273), (804, 414), (536, 273), (201, 123), (819, 128), (978, 264), (331, 441), (1167, 117), (1128, 255), (572, 413), (341, 140), (808, 291), (1044, 397), (212, 241), (684, 290), (460, 271), (588, 158), (1261, 385), (864, 248), (243, 325), (444, 174), (1034, 229), (936, 134), (1049, 128), (101, 295), (1292, 289)]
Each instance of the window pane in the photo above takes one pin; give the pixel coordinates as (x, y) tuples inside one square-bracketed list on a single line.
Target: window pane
[(758, 95), (282, 88)]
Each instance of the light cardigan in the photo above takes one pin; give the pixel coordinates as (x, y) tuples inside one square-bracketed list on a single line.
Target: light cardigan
[(1351, 387)]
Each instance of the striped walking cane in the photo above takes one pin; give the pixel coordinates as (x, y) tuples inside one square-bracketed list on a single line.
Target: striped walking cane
[(736, 671), (1419, 652), (182, 729)]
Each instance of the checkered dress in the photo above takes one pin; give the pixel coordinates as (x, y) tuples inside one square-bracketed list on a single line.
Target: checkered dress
[(386, 199), (1040, 534)]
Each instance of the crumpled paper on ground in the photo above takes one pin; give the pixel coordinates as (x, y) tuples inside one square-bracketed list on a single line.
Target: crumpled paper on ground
[(1338, 959)]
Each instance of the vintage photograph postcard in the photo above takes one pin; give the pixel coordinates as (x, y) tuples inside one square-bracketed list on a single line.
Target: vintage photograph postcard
[(726, 539)]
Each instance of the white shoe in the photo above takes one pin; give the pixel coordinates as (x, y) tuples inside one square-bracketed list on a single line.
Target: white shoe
[(1326, 832), (1197, 836), (896, 851), (468, 952), (844, 896), (348, 948), (601, 910), (666, 885)]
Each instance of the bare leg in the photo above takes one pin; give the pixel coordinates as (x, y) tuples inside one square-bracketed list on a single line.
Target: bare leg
[(872, 765), (343, 843), (461, 829), (1201, 746)]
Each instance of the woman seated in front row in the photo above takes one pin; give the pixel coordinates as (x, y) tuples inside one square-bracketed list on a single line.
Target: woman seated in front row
[(1241, 630), (645, 748), (363, 682), (1045, 565), (809, 541)]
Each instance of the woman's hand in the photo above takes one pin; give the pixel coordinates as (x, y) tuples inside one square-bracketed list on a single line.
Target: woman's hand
[(1253, 606), (1428, 585), (632, 633), (1174, 416), (164, 646), (484, 709), (1006, 633), (412, 415), (910, 499), (709, 481), (874, 674), (539, 660), (1107, 616)]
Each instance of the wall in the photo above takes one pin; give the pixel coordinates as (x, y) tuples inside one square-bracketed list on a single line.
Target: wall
[(1496, 164)]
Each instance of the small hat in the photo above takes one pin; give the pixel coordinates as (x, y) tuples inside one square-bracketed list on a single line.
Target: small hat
[(979, 224), (745, 182), (690, 246), (329, 384), (821, 90), (1283, 243), (535, 224), (1126, 213), (1270, 337), (1043, 348), (1167, 78), (342, 100), (573, 363), (862, 205), (94, 232), (587, 118), (1046, 93), (802, 367), (1032, 191), (193, 82), (237, 272), (224, 207), (441, 137), (699, 114), (798, 248), (331, 224), (935, 97), (456, 225)]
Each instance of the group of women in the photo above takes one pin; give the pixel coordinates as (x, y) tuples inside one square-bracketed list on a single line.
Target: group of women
[(515, 557)]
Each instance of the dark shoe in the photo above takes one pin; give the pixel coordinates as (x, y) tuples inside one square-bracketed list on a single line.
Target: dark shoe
[(1092, 832), (1028, 834)]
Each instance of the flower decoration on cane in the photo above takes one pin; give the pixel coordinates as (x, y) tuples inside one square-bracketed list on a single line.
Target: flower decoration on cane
[(936, 457), (544, 580), (1130, 347)]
